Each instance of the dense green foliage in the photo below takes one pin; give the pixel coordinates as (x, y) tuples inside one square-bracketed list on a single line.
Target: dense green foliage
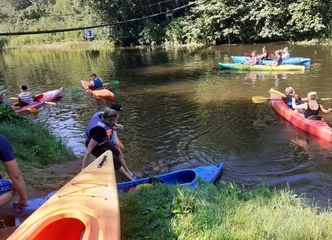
[(228, 212), (216, 21)]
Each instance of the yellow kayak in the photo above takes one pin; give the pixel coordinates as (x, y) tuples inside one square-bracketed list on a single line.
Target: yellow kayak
[(87, 207), (269, 68)]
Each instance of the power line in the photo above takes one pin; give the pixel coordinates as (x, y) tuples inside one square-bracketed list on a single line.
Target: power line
[(96, 26)]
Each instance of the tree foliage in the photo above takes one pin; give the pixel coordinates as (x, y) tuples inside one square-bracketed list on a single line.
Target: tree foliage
[(133, 22)]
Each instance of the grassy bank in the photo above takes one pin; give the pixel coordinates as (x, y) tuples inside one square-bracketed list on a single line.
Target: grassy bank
[(226, 212), (34, 146)]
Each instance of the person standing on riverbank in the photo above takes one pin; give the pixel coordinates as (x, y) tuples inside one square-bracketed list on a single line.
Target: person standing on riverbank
[(16, 182)]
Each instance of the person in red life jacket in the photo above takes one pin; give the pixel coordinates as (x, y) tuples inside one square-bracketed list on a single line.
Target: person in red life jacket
[(8, 188), (98, 134), (115, 141), (25, 98), (96, 82)]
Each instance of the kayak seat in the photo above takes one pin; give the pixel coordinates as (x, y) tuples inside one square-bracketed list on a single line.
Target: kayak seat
[(315, 117)]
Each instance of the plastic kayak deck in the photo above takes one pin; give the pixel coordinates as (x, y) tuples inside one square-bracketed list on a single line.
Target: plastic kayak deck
[(87, 207)]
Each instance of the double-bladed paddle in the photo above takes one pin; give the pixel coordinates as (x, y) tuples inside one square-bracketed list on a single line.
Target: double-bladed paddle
[(51, 103), (115, 82), (261, 99)]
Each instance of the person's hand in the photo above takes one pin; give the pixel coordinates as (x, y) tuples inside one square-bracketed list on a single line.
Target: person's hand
[(330, 110), (118, 127), (21, 204)]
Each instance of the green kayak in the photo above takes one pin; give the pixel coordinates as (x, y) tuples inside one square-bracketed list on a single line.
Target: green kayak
[(241, 66)]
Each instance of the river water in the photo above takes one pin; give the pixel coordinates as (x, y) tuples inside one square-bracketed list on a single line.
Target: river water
[(182, 109)]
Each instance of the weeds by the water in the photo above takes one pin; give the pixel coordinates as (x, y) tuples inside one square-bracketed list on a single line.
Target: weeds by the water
[(228, 212)]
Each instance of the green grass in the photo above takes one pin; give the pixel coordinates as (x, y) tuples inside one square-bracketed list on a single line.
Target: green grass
[(228, 212), (33, 143)]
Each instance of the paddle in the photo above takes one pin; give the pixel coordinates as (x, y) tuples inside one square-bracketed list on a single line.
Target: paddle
[(51, 103), (261, 99), (33, 110)]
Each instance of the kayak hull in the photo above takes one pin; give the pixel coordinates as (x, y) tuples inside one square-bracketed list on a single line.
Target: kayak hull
[(318, 128), (43, 97), (87, 207), (186, 177), (292, 60), (99, 93), (240, 66)]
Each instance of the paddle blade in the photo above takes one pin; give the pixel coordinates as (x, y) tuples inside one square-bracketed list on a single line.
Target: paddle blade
[(51, 103), (32, 110), (115, 82), (13, 98), (76, 91), (277, 93), (258, 99)]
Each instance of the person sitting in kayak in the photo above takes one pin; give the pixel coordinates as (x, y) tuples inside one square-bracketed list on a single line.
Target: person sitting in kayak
[(290, 93), (254, 59), (264, 54), (115, 141), (311, 108), (96, 82), (285, 54), (98, 134), (278, 60), (25, 98)]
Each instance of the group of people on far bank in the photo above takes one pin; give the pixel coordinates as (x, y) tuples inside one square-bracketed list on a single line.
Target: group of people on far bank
[(101, 135), (307, 106), (280, 56)]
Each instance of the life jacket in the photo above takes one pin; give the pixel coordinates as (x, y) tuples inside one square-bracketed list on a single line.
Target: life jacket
[(96, 121), (97, 84)]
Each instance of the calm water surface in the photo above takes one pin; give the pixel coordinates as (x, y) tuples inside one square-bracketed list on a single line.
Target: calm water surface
[(179, 107)]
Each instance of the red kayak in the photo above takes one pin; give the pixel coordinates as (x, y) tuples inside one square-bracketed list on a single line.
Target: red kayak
[(42, 98), (316, 127), (99, 93)]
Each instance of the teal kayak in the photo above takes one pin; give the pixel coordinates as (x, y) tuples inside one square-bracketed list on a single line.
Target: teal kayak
[(292, 60), (247, 67)]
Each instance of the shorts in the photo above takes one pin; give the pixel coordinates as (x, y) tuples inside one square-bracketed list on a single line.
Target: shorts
[(5, 186), (99, 150)]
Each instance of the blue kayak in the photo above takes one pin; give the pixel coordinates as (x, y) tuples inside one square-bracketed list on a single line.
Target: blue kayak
[(292, 60), (186, 177)]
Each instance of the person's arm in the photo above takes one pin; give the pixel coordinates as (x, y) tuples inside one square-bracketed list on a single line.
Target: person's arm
[(92, 144), (117, 127), (324, 110), (301, 106), (16, 177)]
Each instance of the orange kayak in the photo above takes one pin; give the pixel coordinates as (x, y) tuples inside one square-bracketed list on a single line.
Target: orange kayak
[(87, 207), (99, 93)]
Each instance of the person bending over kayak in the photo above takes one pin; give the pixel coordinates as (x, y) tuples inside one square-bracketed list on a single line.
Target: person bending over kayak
[(115, 141), (16, 182), (311, 108), (98, 134), (96, 82), (25, 98)]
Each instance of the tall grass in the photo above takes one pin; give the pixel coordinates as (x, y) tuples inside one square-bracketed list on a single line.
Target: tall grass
[(33, 143), (228, 212)]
